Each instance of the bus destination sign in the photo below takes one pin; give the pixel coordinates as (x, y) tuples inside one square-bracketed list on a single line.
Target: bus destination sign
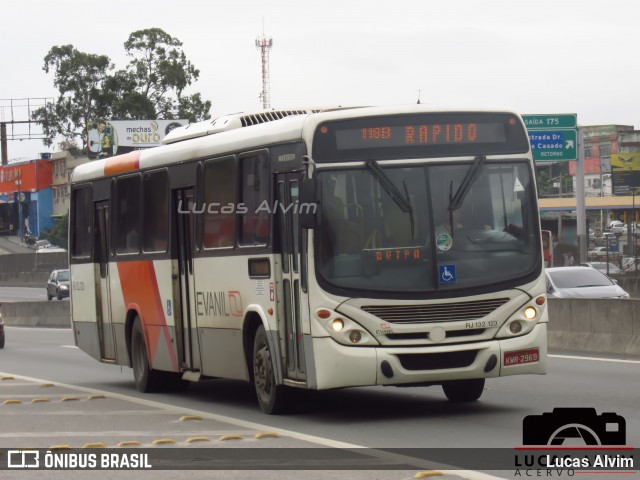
[(418, 136), (427, 134)]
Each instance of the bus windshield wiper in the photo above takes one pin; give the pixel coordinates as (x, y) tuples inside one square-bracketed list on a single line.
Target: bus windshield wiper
[(455, 201), (390, 187), (387, 184)]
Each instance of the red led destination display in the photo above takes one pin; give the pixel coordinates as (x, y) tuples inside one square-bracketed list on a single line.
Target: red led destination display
[(420, 135), (409, 135)]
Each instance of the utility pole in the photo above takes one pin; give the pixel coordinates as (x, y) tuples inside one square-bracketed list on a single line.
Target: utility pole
[(264, 44), (581, 223)]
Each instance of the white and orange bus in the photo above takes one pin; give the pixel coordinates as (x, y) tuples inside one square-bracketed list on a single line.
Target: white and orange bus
[(315, 250)]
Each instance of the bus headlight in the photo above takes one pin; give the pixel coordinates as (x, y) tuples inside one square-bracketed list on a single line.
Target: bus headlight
[(337, 324), (343, 329), (524, 319)]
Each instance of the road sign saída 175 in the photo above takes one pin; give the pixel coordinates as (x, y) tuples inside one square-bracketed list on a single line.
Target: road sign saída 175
[(553, 145), (547, 121)]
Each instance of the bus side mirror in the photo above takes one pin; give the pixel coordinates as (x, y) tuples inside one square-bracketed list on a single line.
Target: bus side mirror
[(309, 208)]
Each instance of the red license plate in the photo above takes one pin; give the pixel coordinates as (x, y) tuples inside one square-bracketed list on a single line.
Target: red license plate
[(521, 356)]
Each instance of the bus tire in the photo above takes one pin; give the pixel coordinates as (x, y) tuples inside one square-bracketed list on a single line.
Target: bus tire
[(464, 390), (273, 399), (147, 380)]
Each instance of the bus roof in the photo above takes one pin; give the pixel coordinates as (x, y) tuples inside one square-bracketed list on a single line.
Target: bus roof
[(242, 132)]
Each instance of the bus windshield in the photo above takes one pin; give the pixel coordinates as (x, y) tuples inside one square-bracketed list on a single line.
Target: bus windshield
[(425, 233)]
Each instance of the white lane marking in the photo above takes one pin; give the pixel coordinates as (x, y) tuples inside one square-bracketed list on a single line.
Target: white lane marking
[(68, 346), (596, 359), (466, 474)]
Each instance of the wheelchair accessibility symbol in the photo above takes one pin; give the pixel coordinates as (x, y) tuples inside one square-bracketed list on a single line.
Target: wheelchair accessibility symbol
[(447, 273)]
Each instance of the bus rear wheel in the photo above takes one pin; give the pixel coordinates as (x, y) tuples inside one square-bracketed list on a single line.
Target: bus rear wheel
[(273, 399), (464, 390), (147, 380)]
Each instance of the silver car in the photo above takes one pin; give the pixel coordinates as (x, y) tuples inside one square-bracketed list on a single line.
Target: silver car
[(58, 284), (581, 282)]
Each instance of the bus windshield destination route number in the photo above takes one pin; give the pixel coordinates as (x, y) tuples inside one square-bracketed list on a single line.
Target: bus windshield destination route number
[(436, 134)]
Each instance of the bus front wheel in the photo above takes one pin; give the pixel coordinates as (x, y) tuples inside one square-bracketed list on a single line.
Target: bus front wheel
[(147, 380), (273, 399), (464, 390)]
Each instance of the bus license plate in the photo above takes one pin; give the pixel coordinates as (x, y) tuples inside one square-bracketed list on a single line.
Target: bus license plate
[(521, 356)]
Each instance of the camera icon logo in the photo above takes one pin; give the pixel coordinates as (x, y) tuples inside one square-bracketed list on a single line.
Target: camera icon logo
[(23, 459), (573, 427)]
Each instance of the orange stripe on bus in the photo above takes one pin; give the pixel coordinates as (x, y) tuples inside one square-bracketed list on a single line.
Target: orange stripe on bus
[(140, 291), (122, 163)]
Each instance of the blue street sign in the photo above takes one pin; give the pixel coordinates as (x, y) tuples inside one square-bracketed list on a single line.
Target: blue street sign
[(553, 145)]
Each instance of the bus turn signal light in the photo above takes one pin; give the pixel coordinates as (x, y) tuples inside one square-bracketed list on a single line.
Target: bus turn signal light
[(355, 336)]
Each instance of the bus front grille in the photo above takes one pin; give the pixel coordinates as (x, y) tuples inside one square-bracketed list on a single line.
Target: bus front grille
[(437, 361), (422, 335), (441, 312)]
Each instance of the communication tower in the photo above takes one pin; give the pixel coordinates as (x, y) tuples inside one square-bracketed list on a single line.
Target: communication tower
[(264, 44)]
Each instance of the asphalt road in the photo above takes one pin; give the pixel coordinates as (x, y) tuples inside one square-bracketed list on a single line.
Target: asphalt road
[(23, 294), (373, 416)]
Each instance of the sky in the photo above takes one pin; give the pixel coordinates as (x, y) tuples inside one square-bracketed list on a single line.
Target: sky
[(537, 57)]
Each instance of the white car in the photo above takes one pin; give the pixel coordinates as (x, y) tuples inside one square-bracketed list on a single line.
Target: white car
[(614, 223), (619, 230), (581, 282)]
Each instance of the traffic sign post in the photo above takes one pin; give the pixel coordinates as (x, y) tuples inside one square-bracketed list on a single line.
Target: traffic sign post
[(553, 137), (553, 145), (544, 122)]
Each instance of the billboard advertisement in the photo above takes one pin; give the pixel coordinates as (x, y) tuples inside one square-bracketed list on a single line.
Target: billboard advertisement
[(625, 173), (106, 138)]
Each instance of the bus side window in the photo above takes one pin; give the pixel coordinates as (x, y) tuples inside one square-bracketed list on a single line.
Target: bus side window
[(127, 215), (156, 211), (256, 222), (220, 203), (82, 232)]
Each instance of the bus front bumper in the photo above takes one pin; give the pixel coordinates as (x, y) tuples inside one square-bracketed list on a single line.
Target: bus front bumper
[(345, 366)]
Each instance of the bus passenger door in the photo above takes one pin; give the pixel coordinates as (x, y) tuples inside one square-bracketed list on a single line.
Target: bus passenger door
[(185, 318), (101, 275), (293, 304)]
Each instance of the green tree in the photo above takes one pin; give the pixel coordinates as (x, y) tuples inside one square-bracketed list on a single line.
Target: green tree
[(58, 234), (80, 79), (160, 68), (152, 86)]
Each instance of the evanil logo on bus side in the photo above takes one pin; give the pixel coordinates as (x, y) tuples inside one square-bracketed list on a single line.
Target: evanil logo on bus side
[(219, 304)]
